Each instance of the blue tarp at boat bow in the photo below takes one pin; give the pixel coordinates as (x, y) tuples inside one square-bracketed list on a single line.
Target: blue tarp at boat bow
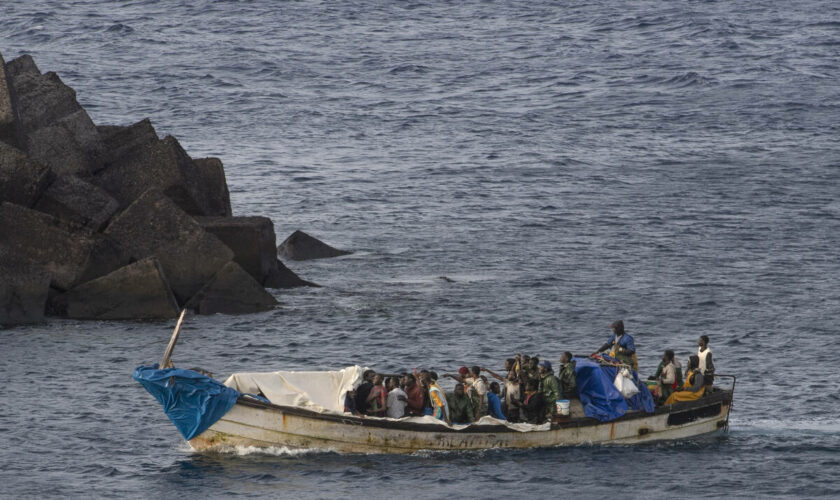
[(643, 400), (191, 400)]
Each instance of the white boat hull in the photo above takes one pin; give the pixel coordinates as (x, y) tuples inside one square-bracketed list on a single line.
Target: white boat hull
[(262, 425)]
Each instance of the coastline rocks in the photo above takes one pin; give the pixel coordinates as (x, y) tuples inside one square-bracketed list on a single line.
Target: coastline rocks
[(22, 181), (283, 277), (155, 226), (232, 291), (74, 200), (301, 246), (23, 290), (69, 257), (252, 240), (136, 291), (8, 116)]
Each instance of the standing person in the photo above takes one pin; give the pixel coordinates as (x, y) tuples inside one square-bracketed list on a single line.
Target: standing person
[(494, 402), (422, 379), (414, 395), (363, 391), (477, 384), (440, 409), (621, 344), (461, 406), (397, 399), (511, 381), (377, 397), (693, 387), (549, 388), (707, 366), (566, 377)]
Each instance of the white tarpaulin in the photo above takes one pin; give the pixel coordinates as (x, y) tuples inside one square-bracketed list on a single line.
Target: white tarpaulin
[(324, 392), (317, 391)]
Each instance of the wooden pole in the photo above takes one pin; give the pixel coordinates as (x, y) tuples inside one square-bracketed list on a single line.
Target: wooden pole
[(168, 353)]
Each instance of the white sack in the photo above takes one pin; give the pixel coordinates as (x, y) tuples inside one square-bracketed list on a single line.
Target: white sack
[(625, 384)]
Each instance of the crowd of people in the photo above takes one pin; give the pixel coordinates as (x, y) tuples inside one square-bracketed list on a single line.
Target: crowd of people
[(527, 390)]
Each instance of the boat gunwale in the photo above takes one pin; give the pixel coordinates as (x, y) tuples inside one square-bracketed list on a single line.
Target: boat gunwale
[(719, 396)]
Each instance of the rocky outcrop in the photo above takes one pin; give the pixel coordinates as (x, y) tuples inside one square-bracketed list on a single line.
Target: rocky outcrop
[(154, 226), (22, 181), (231, 291), (23, 289), (102, 219), (79, 202), (136, 291), (301, 246)]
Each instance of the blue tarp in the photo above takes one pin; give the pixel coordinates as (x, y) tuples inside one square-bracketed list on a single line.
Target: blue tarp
[(191, 400), (600, 398)]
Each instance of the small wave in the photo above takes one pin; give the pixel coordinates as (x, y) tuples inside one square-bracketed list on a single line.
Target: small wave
[(120, 28), (410, 68), (689, 79)]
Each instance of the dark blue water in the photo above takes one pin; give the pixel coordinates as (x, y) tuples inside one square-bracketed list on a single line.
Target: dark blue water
[(675, 164)]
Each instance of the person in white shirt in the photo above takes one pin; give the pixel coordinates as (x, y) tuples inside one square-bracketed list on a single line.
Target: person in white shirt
[(396, 401), (707, 366)]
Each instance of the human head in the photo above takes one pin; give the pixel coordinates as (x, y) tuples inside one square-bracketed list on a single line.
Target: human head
[(617, 327), (533, 363), (391, 383), (377, 379), (703, 341), (525, 359), (545, 366), (464, 371), (494, 387), (367, 376), (566, 357), (531, 386), (509, 363), (408, 380), (668, 356), (459, 389), (476, 371), (433, 376), (693, 362)]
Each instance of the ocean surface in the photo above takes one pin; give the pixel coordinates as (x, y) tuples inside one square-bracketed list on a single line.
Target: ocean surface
[(675, 164)]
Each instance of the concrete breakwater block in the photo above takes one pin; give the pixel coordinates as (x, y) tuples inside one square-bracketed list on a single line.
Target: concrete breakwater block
[(137, 291), (24, 288), (22, 180), (283, 277), (252, 240), (232, 291), (77, 201), (154, 226), (301, 246)]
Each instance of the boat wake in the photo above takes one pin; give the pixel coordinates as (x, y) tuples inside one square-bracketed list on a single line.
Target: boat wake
[(274, 451), (772, 426)]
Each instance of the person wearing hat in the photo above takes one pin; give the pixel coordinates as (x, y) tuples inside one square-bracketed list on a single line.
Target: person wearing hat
[(549, 388)]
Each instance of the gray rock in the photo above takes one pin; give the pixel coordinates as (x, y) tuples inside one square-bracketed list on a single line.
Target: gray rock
[(136, 291), (301, 246), (232, 291), (155, 226), (77, 201), (283, 277), (212, 185), (47, 242), (21, 67), (8, 114), (252, 240), (57, 131), (23, 289), (160, 165), (22, 181), (123, 140)]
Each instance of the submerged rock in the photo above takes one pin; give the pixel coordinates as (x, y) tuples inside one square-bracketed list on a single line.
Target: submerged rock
[(154, 226), (232, 291), (136, 291), (283, 277), (301, 246)]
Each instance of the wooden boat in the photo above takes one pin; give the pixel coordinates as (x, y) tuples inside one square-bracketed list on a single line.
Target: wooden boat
[(250, 422), (255, 423)]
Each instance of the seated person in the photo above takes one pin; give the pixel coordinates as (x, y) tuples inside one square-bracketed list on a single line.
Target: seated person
[(533, 404), (350, 403), (376, 398), (414, 395), (693, 386), (396, 401), (494, 402), (461, 409)]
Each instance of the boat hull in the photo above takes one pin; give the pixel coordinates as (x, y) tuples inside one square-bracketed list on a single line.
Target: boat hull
[(253, 424)]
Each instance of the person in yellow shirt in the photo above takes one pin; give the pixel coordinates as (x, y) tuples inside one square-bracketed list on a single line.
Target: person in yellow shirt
[(693, 387)]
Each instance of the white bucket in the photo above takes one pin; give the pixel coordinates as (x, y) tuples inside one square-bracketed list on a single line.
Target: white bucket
[(563, 406)]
